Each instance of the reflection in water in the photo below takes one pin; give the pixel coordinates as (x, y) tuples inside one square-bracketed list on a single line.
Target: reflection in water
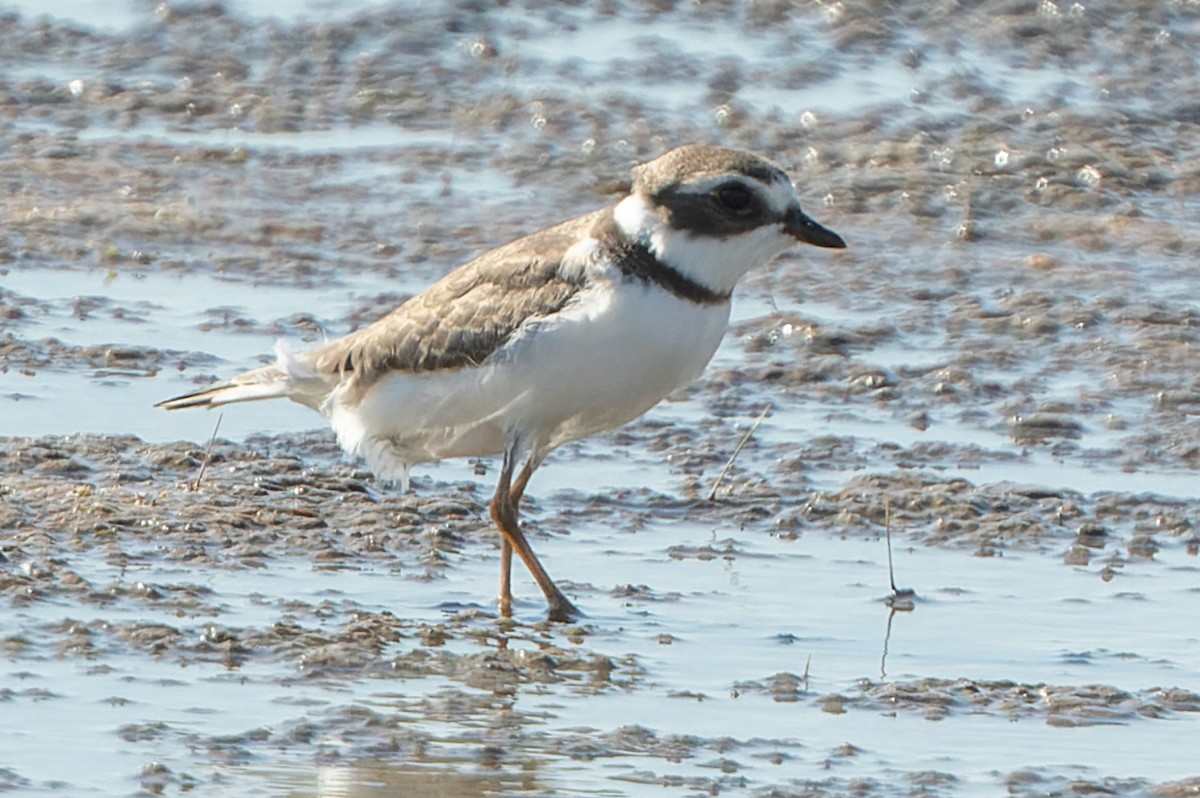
[(887, 639), (429, 778), (363, 780)]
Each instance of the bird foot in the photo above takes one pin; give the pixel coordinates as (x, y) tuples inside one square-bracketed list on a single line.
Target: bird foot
[(563, 611)]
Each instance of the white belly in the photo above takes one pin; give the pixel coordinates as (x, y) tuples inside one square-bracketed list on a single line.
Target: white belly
[(599, 364), (603, 368)]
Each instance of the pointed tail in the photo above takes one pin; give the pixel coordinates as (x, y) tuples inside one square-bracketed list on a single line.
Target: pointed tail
[(265, 383), (290, 376)]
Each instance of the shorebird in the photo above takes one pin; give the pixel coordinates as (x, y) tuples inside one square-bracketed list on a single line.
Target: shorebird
[(578, 328)]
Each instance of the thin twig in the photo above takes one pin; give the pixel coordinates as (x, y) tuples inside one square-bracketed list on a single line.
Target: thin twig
[(195, 485), (737, 450), (887, 531), (903, 599)]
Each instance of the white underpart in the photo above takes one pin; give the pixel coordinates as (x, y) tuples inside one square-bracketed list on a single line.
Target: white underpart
[(610, 356), (717, 264)]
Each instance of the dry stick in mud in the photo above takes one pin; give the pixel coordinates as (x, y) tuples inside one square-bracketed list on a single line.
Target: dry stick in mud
[(712, 494), (902, 599), (195, 484)]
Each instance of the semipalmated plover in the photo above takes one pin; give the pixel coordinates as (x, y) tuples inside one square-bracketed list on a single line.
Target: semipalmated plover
[(575, 329)]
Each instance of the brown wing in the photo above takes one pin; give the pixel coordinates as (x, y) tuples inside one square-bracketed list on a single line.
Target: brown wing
[(464, 317)]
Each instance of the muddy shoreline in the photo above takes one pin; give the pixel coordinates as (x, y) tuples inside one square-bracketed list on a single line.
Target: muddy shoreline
[(85, 516)]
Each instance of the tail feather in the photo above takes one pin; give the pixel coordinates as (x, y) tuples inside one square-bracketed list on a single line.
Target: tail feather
[(291, 376), (265, 383)]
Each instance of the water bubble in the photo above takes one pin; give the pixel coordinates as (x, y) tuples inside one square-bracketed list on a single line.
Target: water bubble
[(588, 146), (834, 12), (1076, 10), (1053, 154), (481, 48), (722, 115), (1162, 37), (235, 109), (1042, 184), (942, 157), (828, 200), (1088, 176), (1001, 159), (537, 115), (1028, 113), (75, 87), (811, 156), (1046, 8), (808, 120)]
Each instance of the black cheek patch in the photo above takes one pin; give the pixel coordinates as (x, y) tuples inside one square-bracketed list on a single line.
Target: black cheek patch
[(701, 213)]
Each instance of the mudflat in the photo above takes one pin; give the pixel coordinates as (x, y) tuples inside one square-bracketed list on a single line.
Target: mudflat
[(997, 372)]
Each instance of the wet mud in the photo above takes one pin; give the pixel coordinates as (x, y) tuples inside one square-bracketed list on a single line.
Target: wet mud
[(999, 373)]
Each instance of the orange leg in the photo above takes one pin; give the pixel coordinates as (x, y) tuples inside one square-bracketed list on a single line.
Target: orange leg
[(504, 513), (506, 551), (505, 576)]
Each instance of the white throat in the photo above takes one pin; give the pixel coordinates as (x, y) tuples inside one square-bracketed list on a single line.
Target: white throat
[(715, 263)]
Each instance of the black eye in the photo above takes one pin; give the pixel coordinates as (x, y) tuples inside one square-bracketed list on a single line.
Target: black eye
[(735, 197)]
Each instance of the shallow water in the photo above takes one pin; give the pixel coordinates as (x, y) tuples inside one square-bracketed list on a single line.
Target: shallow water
[(1000, 369), (732, 622)]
